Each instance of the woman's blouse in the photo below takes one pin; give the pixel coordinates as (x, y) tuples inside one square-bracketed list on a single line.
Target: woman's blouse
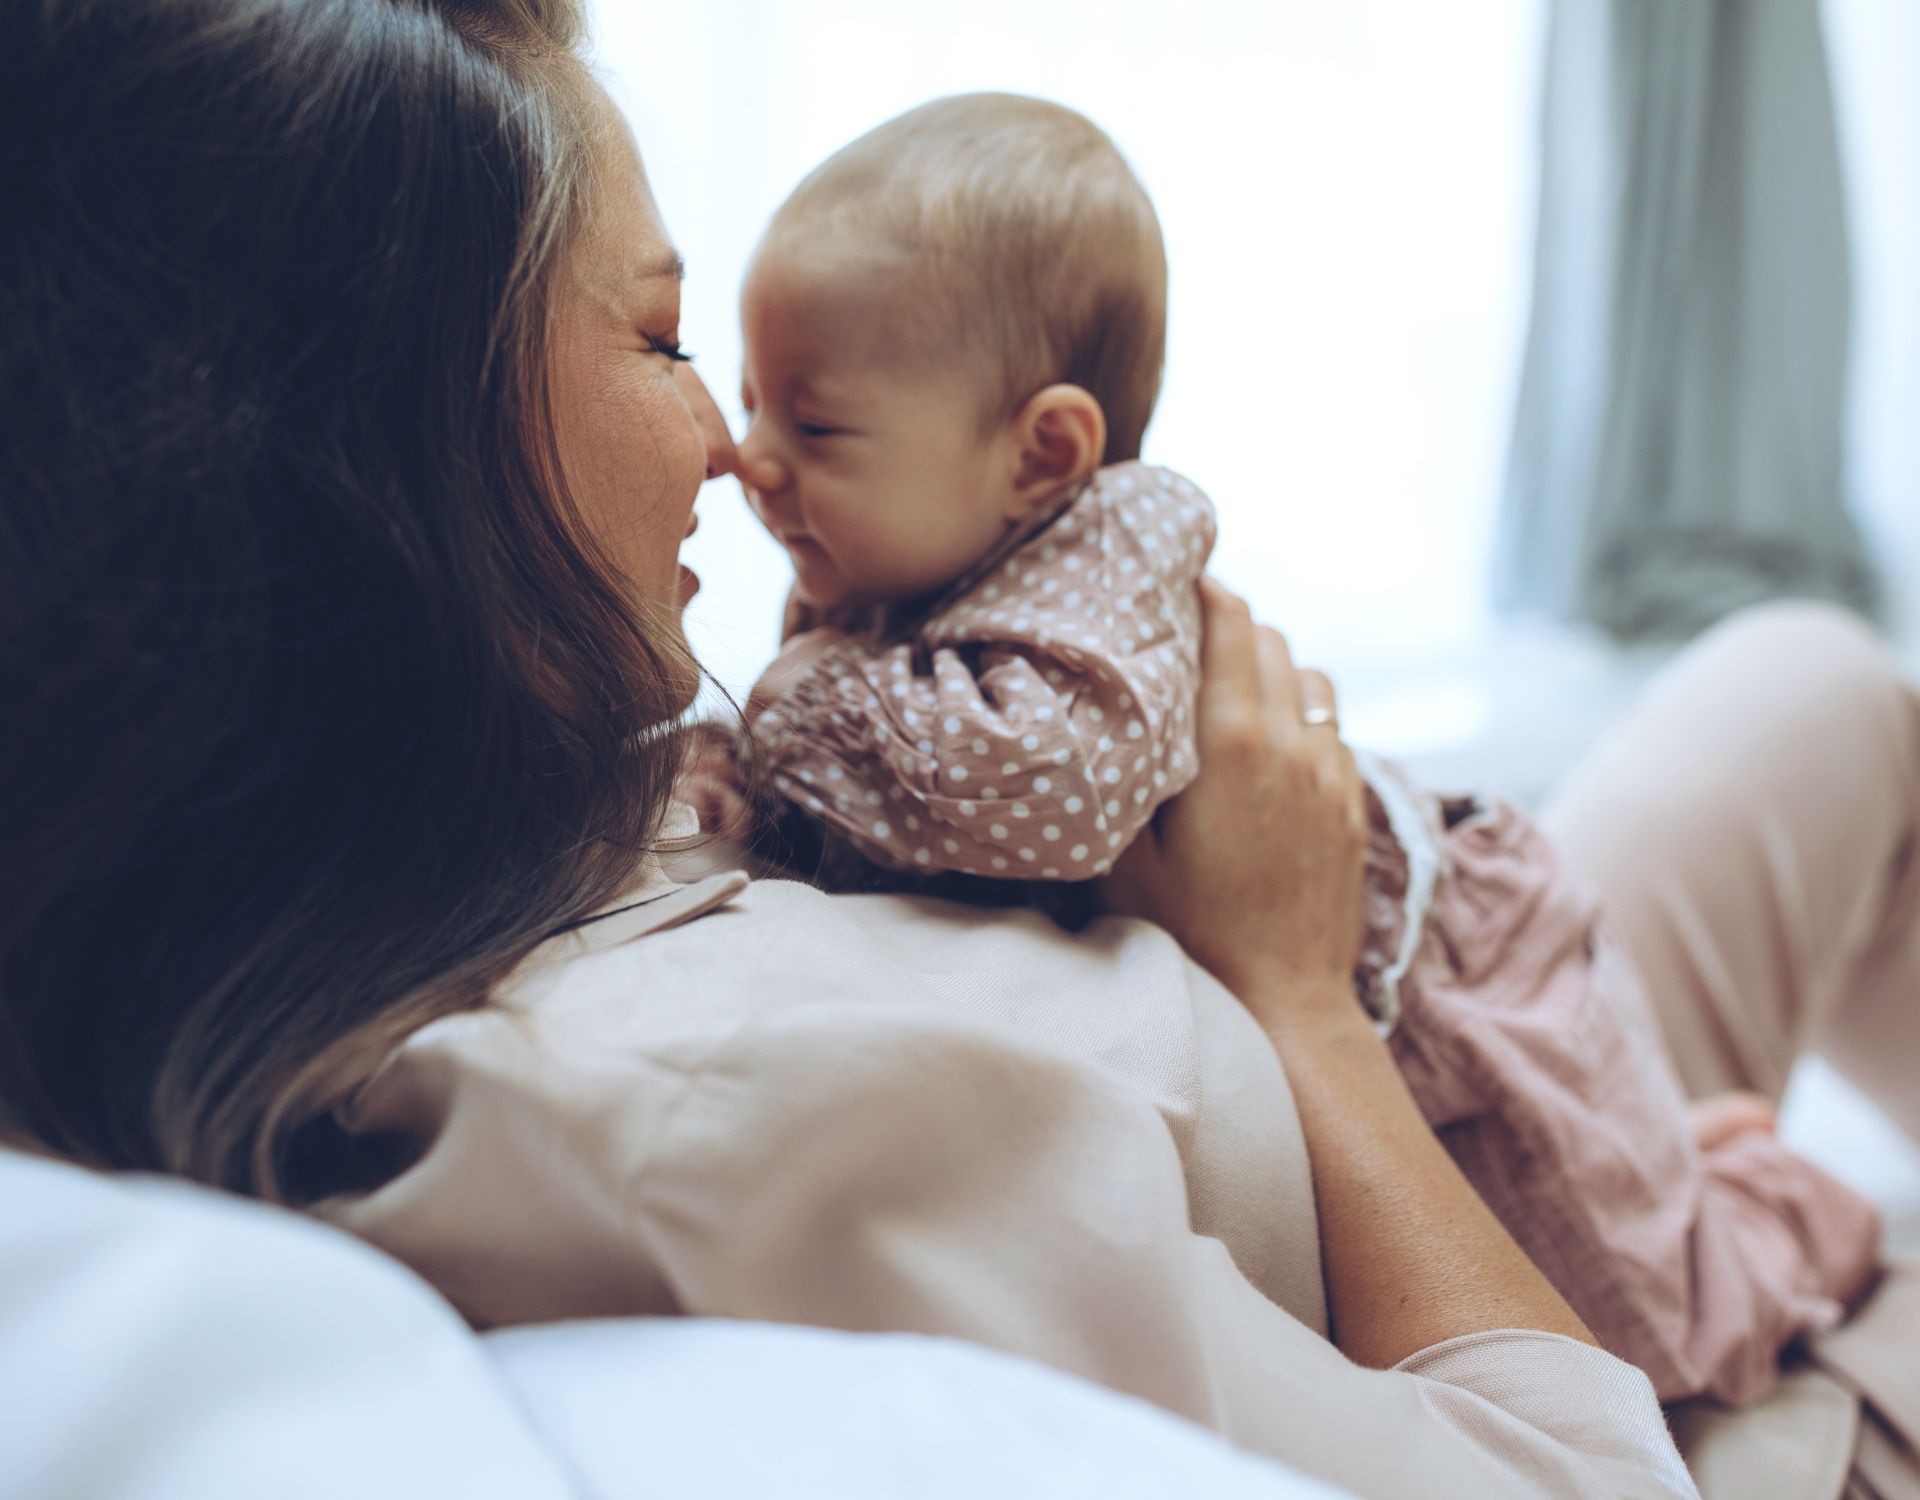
[(889, 1113)]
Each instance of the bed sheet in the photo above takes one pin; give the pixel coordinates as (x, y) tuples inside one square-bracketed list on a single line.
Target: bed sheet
[(163, 1342)]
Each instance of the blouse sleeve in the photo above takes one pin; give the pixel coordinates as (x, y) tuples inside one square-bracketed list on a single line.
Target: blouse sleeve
[(1054, 1225), (1030, 728)]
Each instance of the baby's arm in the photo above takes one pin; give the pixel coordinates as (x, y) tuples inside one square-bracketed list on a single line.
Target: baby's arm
[(994, 761), (800, 656), (1031, 728)]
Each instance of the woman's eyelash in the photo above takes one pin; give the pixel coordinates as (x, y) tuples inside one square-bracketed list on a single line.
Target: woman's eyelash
[(668, 347)]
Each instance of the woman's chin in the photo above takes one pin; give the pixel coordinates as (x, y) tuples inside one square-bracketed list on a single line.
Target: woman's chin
[(680, 671), (683, 679)]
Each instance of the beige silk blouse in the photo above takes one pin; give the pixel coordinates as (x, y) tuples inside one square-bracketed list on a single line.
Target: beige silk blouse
[(890, 1113)]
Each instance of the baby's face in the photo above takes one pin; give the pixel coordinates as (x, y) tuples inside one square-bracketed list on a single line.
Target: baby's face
[(870, 469)]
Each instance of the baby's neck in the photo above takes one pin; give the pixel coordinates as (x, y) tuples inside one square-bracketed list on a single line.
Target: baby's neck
[(896, 618)]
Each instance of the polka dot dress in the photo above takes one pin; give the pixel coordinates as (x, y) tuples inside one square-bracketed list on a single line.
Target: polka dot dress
[(1031, 724)]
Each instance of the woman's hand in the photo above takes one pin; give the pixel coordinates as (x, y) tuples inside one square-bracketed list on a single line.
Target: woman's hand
[(1256, 868)]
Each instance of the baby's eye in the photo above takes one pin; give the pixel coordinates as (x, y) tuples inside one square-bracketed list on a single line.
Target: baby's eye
[(814, 429)]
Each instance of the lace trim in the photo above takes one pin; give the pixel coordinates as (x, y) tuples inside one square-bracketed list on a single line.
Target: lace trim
[(1421, 846)]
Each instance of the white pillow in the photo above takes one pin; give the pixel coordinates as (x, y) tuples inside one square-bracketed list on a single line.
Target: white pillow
[(708, 1409), (162, 1341)]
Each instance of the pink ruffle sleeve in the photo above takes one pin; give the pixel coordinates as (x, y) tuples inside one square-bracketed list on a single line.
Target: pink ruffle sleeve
[(1031, 725)]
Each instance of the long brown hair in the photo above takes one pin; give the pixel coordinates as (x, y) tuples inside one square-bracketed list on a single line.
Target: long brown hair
[(319, 709)]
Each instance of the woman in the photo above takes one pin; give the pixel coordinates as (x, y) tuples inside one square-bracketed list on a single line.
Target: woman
[(349, 448)]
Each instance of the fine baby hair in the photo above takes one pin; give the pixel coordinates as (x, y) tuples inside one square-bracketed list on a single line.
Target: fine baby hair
[(1026, 245)]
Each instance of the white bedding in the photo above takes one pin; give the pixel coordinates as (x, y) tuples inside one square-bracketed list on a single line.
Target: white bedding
[(712, 1408), (162, 1342), (1829, 1121), (159, 1341)]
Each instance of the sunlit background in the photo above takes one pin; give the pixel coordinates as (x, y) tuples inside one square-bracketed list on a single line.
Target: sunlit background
[(1345, 194), (1348, 192)]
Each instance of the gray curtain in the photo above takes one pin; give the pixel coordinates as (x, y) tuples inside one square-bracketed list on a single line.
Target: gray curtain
[(1677, 445)]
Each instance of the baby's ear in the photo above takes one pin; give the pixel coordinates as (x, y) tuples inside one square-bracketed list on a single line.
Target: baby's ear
[(1060, 436)]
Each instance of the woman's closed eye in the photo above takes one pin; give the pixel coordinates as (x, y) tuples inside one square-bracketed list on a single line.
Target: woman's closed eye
[(816, 429), (660, 344)]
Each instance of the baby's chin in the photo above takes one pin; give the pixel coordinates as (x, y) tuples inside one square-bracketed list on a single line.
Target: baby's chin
[(818, 584), (821, 586), (817, 593)]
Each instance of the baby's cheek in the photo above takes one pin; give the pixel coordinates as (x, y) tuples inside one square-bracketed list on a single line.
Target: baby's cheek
[(859, 543), (936, 546)]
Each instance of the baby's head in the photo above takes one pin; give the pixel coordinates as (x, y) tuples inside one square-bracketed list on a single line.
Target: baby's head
[(949, 324)]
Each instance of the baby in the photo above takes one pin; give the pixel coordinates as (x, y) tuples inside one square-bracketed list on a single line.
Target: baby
[(954, 333)]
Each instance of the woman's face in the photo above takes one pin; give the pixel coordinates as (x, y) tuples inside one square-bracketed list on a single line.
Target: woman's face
[(635, 429)]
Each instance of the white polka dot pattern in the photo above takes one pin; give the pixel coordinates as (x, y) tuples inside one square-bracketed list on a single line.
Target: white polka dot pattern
[(1072, 662)]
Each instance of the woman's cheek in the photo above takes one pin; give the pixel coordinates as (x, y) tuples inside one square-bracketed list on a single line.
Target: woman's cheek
[(688, 444), (669, 458)]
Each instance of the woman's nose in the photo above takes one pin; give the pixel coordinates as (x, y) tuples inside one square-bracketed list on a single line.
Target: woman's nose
[(722, 456)]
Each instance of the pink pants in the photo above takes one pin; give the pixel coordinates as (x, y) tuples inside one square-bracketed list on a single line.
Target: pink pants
[(1751, 826)]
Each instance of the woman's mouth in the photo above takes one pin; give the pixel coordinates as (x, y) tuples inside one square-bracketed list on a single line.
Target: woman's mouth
[(689, 584)]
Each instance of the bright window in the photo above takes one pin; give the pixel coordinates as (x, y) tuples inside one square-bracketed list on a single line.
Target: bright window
[(1346, 190), (1874, 50)]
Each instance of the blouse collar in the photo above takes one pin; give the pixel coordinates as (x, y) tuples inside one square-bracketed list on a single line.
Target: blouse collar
[(652, 903)]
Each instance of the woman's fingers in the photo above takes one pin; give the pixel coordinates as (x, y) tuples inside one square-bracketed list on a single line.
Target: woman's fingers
[(1230, 667), (1256, 866), (1304, 713), (1248, 680), (1297, 698), (1279, 684), (1318, 706)]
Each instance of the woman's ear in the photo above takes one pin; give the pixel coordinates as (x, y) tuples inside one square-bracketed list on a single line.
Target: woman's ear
[(1060, 436)]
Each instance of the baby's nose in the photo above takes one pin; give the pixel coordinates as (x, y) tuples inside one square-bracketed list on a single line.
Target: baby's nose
[(763, 474)]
